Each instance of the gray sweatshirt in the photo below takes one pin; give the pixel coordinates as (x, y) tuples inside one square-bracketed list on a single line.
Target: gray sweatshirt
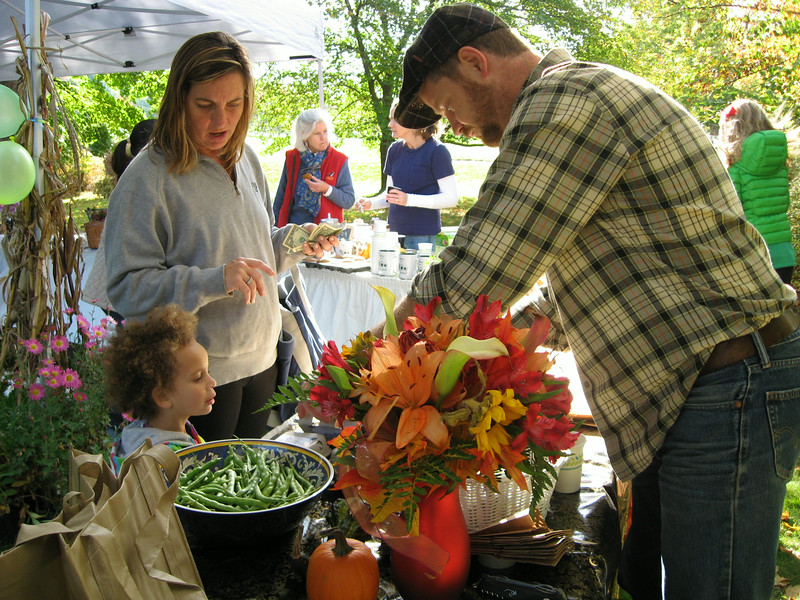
[(167, 238)]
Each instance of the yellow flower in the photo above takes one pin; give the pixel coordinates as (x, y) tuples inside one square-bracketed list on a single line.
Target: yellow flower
[(492, 440), (501, 408), (505, 408)]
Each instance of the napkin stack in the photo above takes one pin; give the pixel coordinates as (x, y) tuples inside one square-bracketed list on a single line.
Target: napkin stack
[(523, 539)]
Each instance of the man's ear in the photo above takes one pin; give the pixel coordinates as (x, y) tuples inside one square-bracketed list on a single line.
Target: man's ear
[(473, 63), (161, 397)]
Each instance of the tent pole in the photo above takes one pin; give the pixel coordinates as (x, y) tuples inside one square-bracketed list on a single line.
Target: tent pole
[(33, 14), (320, 84)]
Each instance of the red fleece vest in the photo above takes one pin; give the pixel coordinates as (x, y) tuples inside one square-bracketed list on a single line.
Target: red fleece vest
[(329, 173)]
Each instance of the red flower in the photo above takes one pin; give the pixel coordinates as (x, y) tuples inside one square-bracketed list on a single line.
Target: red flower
[(427, 312), (331, 357), (332, 405), (486, 319)]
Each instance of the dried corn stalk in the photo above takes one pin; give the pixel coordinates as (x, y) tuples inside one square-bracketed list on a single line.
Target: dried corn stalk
[(41, 247)]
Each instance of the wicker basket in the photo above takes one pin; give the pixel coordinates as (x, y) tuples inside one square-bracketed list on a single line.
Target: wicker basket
[(483, 508)]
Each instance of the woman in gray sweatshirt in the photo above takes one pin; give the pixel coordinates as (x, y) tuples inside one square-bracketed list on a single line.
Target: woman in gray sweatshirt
[(190, 222)]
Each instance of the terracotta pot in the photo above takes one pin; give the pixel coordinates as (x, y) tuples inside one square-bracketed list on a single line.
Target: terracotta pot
[(93, 231), (441, 519)]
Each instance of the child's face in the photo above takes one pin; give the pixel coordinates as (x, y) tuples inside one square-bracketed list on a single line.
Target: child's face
[(192, 388)]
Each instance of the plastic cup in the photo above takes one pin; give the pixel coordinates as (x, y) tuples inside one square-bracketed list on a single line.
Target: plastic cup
[(425, 247), (569, 478)]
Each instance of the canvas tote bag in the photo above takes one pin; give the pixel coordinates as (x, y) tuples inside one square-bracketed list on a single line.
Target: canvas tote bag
[(117, 538)]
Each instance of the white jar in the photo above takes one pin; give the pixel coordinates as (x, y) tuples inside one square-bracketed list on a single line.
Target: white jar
[(407, 265), (380, 241)]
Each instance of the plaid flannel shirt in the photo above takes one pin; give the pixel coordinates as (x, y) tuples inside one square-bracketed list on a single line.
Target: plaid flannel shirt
[(614, 191)]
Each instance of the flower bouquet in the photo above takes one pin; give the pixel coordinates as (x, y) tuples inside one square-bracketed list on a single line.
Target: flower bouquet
[(443, 401)]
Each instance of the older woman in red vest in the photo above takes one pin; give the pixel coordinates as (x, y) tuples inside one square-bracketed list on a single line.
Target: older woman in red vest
[(316, 181)]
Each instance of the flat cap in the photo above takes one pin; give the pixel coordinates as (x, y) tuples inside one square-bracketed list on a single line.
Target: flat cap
[(447, 30)]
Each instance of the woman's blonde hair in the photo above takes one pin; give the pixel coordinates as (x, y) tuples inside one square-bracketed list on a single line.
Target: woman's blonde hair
[(202, 58), (306, 122), (738, 121)]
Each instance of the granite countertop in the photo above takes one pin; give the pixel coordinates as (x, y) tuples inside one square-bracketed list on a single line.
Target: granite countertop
[(274, 569)]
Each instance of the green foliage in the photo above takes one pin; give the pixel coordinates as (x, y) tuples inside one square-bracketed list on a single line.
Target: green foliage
[(296, 390), (51, 401), (105, 107), (706, 55)]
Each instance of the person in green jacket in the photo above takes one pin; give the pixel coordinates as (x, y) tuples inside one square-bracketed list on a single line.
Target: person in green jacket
[(756, 154)]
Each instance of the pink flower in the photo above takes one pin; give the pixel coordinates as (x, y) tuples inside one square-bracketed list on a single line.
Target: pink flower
[(98, 331), (53, 381), (70, 379), (59, 343), (17, 382), (33, 345), (48, 362), (48, 372), (79, 396), (36, 391), (68, 311), (83, 323)]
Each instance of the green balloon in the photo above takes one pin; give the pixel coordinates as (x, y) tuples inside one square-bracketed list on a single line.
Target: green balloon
[(11, 115), (17, 172)]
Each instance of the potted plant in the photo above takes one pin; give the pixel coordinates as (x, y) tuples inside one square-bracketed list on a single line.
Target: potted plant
[(94, 225), (52, 399)]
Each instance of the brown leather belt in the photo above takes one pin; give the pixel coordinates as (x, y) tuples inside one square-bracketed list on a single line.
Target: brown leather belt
[(736, 349)]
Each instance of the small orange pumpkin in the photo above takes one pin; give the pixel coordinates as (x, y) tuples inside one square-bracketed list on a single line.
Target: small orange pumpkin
[(342, 569)]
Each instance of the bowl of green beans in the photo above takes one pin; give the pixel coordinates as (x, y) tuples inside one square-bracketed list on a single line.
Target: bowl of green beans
[(244, 490)]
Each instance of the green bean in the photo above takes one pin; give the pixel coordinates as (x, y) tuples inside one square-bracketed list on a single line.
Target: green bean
[(197, 471), (246, 480)]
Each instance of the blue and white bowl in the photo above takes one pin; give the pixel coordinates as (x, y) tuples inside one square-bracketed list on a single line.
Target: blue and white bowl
[(253, 526)]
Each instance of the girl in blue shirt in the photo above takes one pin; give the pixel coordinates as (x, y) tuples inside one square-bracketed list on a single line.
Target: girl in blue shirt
[(420, 181)]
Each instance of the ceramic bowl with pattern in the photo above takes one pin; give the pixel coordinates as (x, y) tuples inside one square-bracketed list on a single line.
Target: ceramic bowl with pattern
[(203, 524)]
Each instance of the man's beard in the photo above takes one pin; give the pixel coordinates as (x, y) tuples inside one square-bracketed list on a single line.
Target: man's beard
[(485, 107)]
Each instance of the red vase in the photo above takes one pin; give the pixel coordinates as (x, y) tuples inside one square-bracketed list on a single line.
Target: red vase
[(441, 519)]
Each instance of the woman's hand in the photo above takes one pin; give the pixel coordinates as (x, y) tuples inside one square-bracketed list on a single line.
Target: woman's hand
[(317, 185), (395, 196), (245, 275), (363, 204), (321, 245)]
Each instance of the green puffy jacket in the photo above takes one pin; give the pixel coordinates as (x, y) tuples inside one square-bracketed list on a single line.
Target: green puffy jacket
[(762, 182)]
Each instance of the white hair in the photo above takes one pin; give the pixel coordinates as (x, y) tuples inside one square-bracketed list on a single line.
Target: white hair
[(306, 122)]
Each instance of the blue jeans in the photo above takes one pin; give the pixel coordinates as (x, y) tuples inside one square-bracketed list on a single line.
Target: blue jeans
[(721, 479), (412, 242)]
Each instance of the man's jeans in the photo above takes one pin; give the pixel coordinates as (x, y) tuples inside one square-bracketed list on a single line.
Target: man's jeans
[(722, 474)]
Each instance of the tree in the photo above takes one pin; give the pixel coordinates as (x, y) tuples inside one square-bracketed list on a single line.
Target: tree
[(707, 54), (365, 43), (104, 108)]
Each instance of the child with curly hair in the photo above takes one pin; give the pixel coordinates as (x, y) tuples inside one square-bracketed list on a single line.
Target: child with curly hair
[(756, 154), (157, 372)]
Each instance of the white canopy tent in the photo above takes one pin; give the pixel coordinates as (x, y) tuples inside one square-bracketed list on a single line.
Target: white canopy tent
[(109, 36)]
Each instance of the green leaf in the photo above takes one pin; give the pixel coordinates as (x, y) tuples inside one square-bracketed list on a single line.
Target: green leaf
[(461, 350), (341, 377), (388, 299)]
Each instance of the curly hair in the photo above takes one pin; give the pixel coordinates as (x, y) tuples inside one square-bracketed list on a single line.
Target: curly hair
[(141, 358)]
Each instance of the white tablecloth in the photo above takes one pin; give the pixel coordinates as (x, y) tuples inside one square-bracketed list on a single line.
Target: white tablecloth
[(344, 304)]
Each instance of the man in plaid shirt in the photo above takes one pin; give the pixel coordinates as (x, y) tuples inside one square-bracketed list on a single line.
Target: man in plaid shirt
[(688, 350)]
